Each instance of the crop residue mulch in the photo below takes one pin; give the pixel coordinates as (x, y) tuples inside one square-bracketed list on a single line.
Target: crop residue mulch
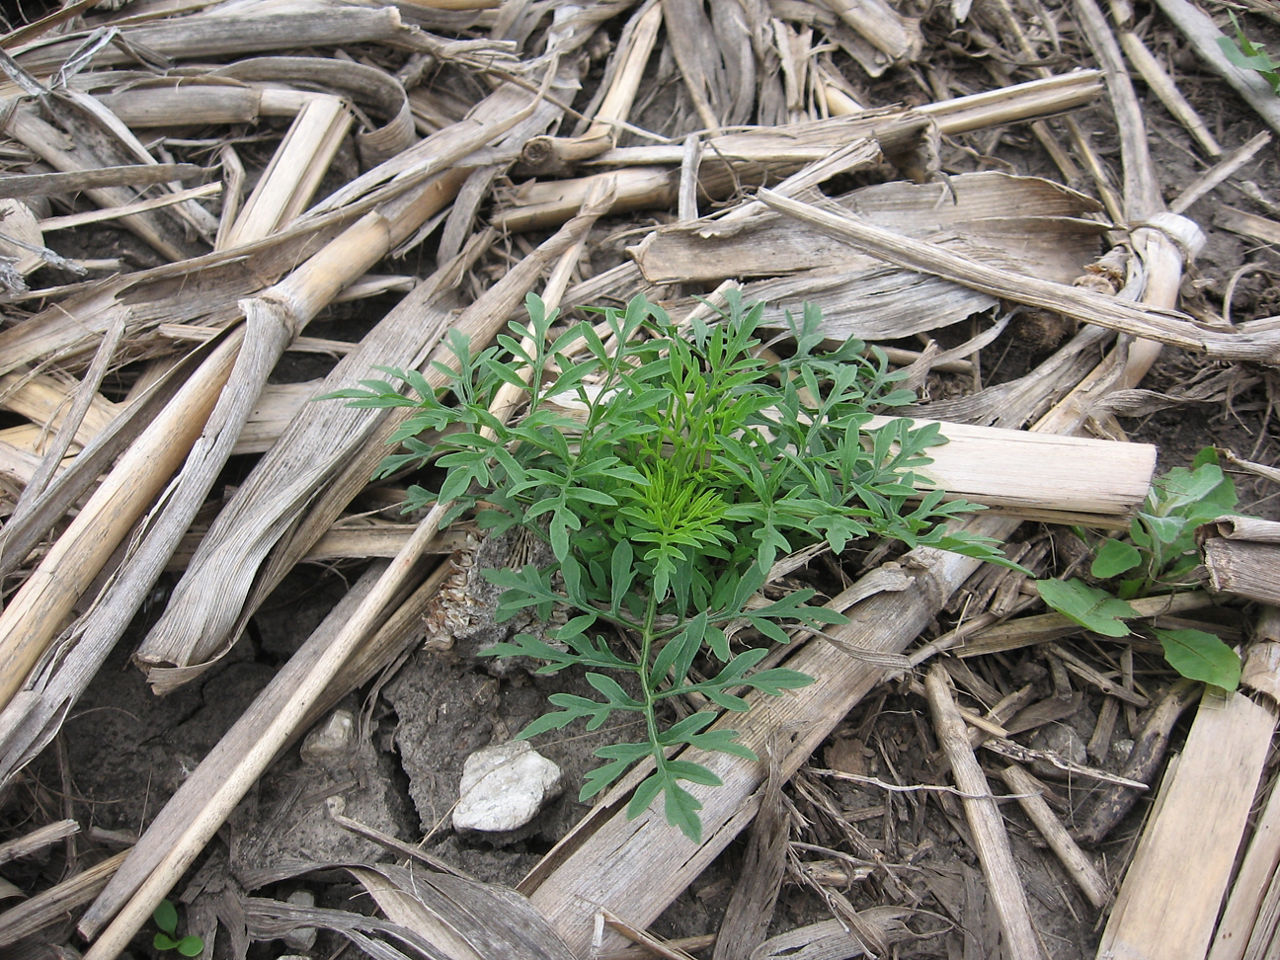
[(234, 673)]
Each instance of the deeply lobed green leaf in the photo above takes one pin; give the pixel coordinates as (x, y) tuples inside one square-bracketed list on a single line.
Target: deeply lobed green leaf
[(691, 462)]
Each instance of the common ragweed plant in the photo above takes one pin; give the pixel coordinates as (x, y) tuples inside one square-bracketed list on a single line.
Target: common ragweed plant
[(668, 473)]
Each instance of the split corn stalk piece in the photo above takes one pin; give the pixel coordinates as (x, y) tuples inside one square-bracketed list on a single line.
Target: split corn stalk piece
[(1153, 323), (72, 220), (213, 33), (38, 610), (175, 839), (207, 609), (1249, 928), (635, 45), (295, 169), (990, 840), (1172, 891), (273, 318)]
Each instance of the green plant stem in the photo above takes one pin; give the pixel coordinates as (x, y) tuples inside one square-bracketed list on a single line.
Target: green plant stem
[(646, 688)]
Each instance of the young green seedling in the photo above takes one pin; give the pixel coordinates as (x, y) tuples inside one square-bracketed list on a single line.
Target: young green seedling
[(1158, 556), (1248, 55), (166, 919)]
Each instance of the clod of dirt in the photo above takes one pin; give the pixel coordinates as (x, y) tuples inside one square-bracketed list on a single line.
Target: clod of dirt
[(503, 788), (332, 739), (1062, 741), (445, 709), (291, 819), (473, 614)]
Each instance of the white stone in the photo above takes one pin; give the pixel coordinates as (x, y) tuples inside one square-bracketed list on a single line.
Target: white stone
[(503, 787)]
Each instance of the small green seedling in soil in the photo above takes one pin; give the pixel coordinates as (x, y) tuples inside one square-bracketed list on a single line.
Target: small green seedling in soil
[(1158, 556), (166, 919), (1250, 56), (667, 475)]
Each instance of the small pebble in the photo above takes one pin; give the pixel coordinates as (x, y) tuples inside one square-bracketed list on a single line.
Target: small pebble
[(503, 787), (332, 740), (1064, 741), (301, 938)]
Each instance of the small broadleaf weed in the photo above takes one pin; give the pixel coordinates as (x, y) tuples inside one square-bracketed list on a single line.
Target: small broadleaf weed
[(165, 917), (1158, 556), (667, 475), (1247, 55)]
